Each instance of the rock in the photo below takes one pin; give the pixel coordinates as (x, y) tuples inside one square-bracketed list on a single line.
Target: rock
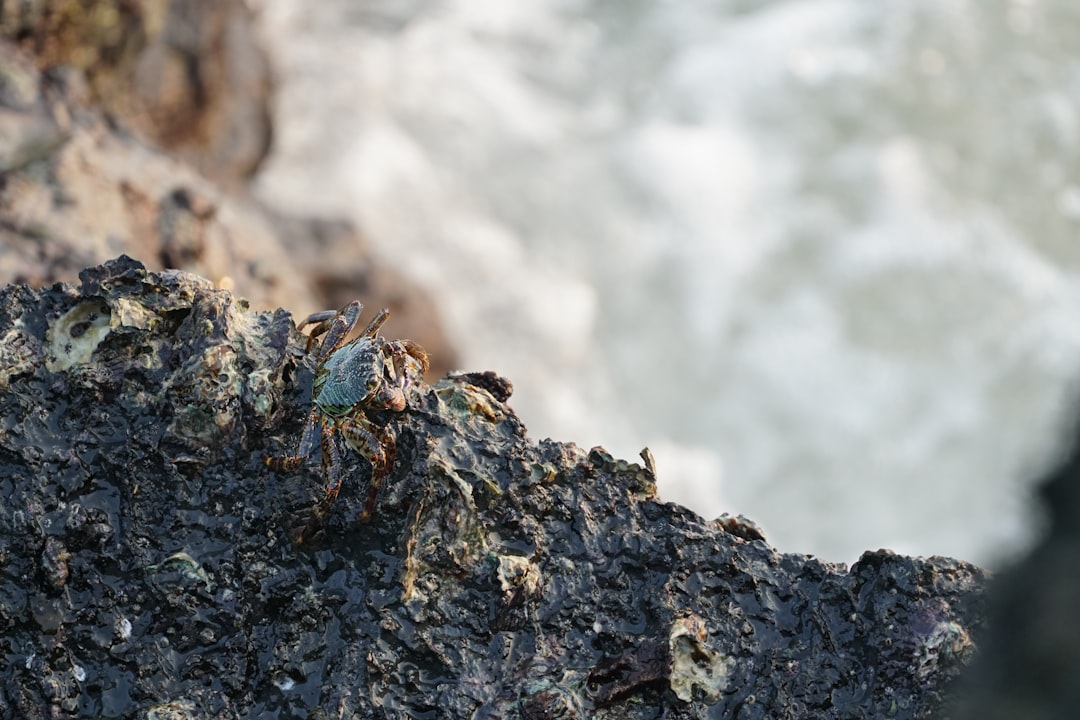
[(186, 75), (1029, 660), (75, 191), (148, 570), (78, 192)]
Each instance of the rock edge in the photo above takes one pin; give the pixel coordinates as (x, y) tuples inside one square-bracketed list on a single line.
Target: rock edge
[(148, 571)]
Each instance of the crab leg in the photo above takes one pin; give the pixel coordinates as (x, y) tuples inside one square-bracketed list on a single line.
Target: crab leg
[(289, 463), (332, 462), (367, 443), (376, 323), (400, 351), (318, 317), (335, 323), (321, 320)]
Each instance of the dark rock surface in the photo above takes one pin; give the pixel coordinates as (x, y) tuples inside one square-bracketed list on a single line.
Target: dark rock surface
[(148, 572), (1029, 660)]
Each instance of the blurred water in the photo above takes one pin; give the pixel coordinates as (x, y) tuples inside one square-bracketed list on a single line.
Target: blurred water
[(820, 256)]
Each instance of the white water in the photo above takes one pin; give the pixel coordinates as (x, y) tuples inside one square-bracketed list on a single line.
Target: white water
[(820, 256)]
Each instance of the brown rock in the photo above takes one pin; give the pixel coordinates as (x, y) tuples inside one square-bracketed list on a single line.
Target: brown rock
[(186, 75), (76, 191)]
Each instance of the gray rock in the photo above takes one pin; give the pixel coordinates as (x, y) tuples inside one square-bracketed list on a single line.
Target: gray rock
[(149, 572)]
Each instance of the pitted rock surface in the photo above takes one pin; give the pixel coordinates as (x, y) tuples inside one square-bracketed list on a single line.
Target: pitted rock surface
[(148, 570)]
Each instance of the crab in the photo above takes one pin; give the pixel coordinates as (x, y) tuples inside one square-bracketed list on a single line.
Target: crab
[(366, 374)]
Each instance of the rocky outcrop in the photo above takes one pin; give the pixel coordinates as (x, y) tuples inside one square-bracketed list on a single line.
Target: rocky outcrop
[(75, 192), (149, 572), (187, 76), (90, 169)]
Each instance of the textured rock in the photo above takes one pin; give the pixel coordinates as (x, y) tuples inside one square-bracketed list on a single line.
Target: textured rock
[(75, 191), (186, 75), (148, 570)]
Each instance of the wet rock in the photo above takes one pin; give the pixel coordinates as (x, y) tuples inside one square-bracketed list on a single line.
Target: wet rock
[(149, 572)]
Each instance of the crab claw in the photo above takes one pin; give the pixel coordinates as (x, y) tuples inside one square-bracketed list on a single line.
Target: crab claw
[(407, 358), (393, 398)]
